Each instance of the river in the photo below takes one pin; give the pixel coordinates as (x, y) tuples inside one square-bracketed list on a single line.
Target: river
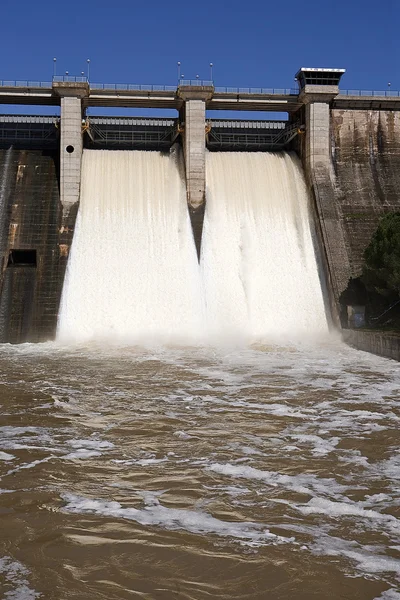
[(199, 473)]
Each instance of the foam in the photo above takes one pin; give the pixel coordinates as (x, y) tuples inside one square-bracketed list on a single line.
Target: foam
[(15, 575), (367, 560), (389, 595), (91, 444), (154, 514), (30, 465), (6, 456), (82, 453), (304, 484), (347, 509)]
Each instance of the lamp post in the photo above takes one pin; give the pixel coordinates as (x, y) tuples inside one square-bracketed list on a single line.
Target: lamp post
[(179, 69), (54, 66), (88, 68), (211, 72)]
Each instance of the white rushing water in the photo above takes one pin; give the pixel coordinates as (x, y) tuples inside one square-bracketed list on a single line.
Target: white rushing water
[(133, 271), (259, 263)]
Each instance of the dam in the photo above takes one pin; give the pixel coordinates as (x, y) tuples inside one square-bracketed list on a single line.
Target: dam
[(346, 143), (187, 428)]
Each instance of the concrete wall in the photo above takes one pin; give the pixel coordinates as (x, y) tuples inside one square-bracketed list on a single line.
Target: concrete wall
[(30, 218), (352, 164), (316, 153), (381, 343), (366, 163), (195, 165), (70, 150)]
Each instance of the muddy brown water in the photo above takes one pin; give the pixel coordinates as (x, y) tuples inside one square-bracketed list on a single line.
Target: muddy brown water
[(199, 473)]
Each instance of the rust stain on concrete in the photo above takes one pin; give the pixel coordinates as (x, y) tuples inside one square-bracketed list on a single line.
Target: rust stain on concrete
[(64, 249)]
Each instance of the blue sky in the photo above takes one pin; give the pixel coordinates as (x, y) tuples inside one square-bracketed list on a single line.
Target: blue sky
[(254, 43)]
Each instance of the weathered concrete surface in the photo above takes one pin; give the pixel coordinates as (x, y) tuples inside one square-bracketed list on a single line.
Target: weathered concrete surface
[(70, 150), (352, 163), (366, 163), (376, 342), (194, 116), (316, 154), (30, 218), (194, 147)]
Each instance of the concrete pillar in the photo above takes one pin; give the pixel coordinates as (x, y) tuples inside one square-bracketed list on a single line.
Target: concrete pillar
[(321, 177), (71, 95), (194, 116), (70, 140)]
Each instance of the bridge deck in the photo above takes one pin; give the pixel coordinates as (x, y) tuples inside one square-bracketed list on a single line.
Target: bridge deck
[(158, 96)]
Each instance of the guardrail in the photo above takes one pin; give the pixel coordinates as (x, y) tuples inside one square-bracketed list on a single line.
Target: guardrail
[(26, 84), (251, 90), (192, 82), (69, 79), (200, 82), (132, 87), (382, 93)]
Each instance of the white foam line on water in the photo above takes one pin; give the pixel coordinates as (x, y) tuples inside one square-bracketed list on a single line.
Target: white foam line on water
[(334, 509), (5, 456), (30, 465), (15, 576), (155, 514), (81, 453), (91, 444), (367, 559), (304, 484), (389, 595)]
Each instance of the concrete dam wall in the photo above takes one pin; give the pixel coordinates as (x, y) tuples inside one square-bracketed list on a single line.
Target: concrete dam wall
[(366, 163), (33, 249), (352, 163)]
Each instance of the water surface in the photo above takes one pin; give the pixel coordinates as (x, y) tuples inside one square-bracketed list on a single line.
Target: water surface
[(199, 473)]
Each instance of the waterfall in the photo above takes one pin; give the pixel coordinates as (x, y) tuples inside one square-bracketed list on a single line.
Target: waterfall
[(259, 265), (133, 273)]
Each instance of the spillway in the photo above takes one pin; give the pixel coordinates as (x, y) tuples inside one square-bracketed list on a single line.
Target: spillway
[(260, 271), (133, 271)]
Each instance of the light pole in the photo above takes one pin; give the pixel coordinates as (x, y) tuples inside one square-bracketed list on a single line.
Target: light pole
[(88, 69), (211, 72), (54, 66), (179, 69)]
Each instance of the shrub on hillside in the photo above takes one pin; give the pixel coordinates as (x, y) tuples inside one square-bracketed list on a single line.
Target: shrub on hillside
[(381, 272)]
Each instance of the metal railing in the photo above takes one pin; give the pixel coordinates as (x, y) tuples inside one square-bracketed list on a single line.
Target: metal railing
[(25, 84), (69, 79), (251, 90), (129, 87), (192, 82), (382, 93), (200, 82)]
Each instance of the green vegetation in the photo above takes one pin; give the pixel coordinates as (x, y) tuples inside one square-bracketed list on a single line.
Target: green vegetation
[(381, 273)]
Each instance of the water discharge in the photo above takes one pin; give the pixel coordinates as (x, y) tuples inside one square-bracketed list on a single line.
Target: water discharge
[(259, 262), (133, 272)]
